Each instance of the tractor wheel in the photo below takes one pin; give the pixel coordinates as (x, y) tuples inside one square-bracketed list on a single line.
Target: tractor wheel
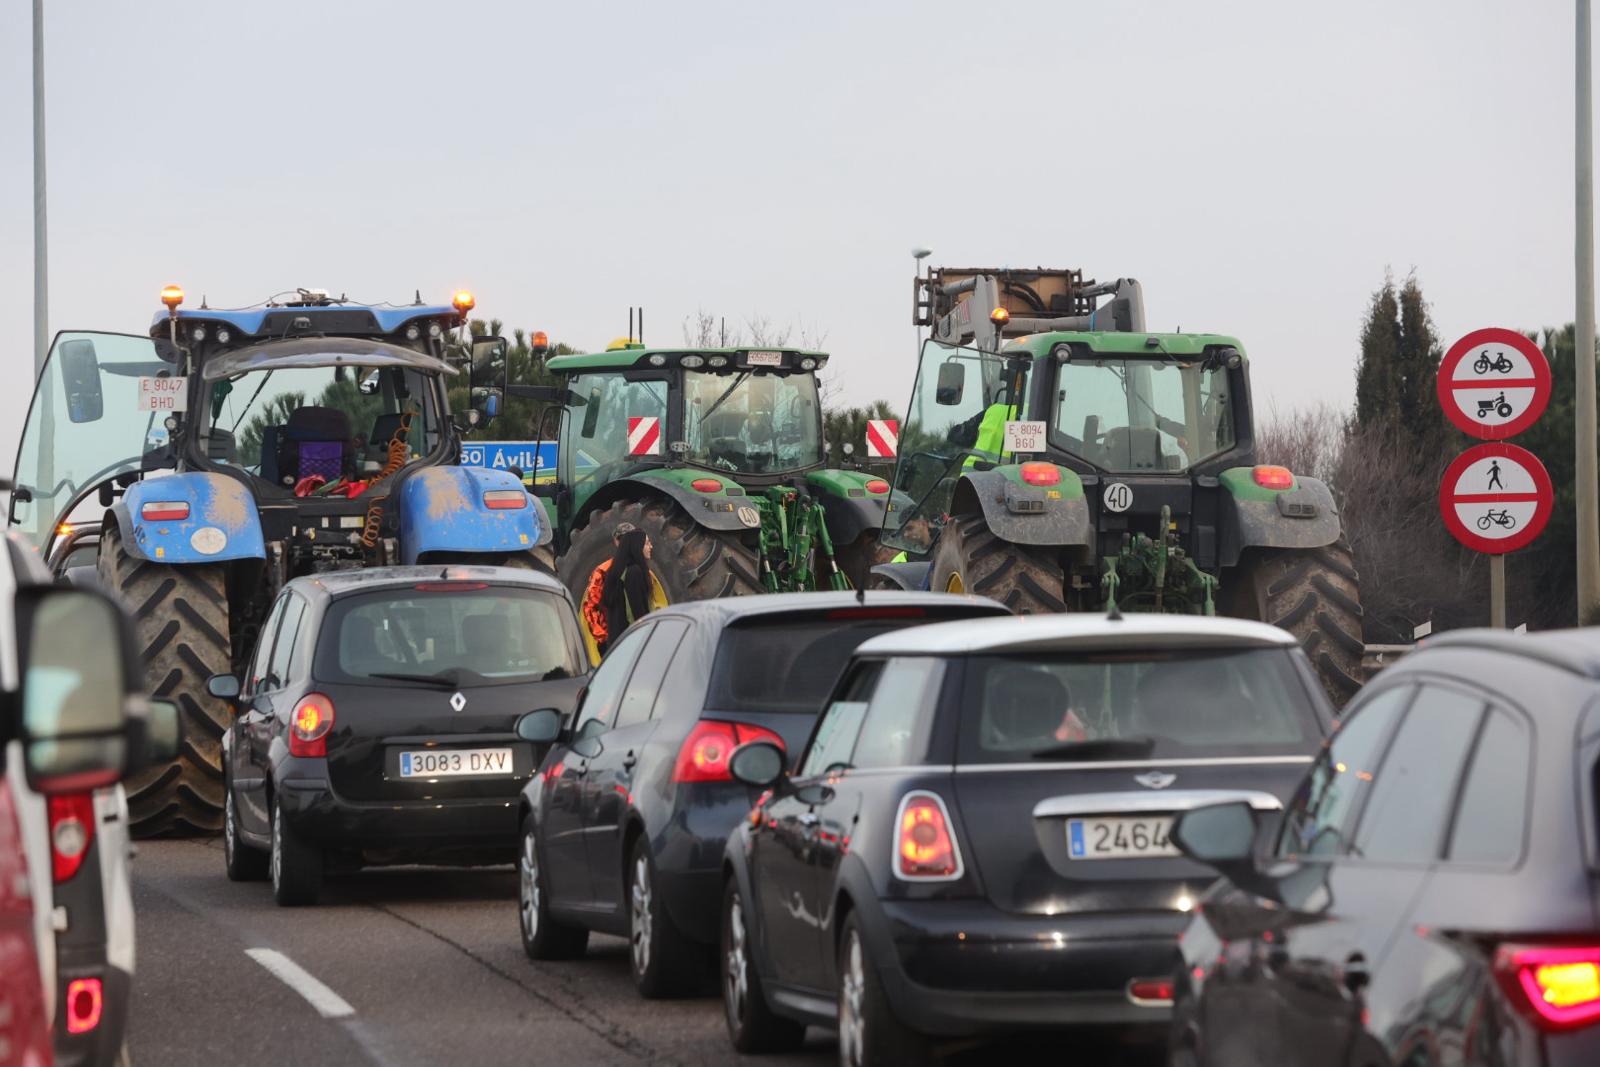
[(969, 558), (859, 557), (690, 561), (181, 622), (1315, 594)]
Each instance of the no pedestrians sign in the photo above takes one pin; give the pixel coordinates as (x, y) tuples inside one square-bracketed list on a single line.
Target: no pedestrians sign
[(1496, 498), (1494, 383)]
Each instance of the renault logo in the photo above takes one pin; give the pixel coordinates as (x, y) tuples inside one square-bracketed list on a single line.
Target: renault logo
[(458, 702), (1150, 779)]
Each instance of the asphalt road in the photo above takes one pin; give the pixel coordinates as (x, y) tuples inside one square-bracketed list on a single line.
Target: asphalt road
[(408, 966)]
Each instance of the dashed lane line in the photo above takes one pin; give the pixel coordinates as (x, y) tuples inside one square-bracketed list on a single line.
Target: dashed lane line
[(329, 1004)]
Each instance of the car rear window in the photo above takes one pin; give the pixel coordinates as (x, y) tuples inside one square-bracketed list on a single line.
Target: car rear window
[(791, 662), (449, 633), (1144, 705)]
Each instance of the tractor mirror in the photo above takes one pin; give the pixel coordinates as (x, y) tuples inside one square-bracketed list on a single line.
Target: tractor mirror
[(487, 375), (80, 377), (951, 384), (591, 413)]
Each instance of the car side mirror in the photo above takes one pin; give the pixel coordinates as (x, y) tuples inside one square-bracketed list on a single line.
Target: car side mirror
[(76, 727), (759, 763), (1223, 836), (950, 385), (223, 686), (541, 727), (160, 733), (588, 745)]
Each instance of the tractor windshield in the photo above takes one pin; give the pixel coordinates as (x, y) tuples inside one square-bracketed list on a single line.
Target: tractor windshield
[(89, 422), (1132, 415), (330, 425), (752, 422), (959, 407)]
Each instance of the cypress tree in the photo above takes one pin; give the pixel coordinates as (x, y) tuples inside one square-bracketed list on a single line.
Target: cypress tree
[(1417, 371), (1377, 371)]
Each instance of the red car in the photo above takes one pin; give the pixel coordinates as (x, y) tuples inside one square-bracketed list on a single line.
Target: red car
[(24, 1029)]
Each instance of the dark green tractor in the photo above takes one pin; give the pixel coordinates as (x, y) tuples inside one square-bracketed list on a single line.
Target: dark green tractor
[(718, 455), (1057, 457)]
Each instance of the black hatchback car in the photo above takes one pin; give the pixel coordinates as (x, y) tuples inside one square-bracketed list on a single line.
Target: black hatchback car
[(377, 723), (1432, 896), (623, 830), (976, 838)]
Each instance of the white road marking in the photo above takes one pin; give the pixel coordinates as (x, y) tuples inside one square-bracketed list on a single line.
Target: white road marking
[(329, 1004)]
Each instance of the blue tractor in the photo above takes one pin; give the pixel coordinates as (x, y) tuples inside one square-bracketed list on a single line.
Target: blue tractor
[(226, 452)]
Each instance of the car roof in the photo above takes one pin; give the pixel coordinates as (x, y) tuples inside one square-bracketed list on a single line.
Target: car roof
[(1576, 651), (734, 609), (343, 583), (1074, 632)]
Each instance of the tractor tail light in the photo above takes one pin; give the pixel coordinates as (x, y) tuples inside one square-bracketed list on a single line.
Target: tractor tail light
[(505, 499), (165, 510), (1041, 474), (878, 486), (706, 485), (708, 748), (926, 844), (308, 732), (1269, 477), (71, 833), (1558, 986), (85, 998)]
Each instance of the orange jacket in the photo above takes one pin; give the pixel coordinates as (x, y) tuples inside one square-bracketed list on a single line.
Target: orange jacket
[(593, 613)]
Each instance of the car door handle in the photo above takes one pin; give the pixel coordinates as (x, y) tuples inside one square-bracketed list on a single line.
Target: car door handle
[(1356, 975)]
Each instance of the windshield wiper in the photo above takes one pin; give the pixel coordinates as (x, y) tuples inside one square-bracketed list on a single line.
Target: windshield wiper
[(1103, 748), (718, 402), (427, 679), (252, 400)]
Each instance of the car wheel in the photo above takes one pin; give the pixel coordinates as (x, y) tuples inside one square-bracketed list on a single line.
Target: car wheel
[(752, 1026), (869, 1034), (664, 962), (543, 938), (294, 864), (243, 863)]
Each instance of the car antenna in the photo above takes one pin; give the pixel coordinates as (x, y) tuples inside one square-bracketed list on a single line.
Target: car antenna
[(445, 573), (861, 595), (1113, 614)]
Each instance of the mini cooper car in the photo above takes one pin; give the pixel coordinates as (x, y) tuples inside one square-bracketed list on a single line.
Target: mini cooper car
[(377, 721)]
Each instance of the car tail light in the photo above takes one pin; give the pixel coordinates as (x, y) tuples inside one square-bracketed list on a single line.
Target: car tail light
[(308, 732), (165, 510), (1269, 477), (706, 751), (878, 485), (706, 485), (877, 613), (71, 833), (925, 845), (84, 1001), (1150, 991), (505, 499), (1558, 985), (1041, 474)]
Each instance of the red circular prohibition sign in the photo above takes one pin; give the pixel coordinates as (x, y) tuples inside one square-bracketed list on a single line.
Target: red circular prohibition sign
[(1452, 495), (1537, 378)]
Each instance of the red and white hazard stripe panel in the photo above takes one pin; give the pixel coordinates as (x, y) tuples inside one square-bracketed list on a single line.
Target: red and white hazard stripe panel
[(883, 438), (644, 435)]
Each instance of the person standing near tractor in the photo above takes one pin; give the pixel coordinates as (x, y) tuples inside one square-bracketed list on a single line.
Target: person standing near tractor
[(591, 613), (628, 584)]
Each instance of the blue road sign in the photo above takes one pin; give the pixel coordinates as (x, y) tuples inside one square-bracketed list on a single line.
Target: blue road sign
[(537, 462)]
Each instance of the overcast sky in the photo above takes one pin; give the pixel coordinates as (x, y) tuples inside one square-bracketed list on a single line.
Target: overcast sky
[(1258, 165)]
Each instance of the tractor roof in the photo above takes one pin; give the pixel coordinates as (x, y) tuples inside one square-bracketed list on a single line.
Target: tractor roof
[(320, 352), (1123, 344), (279, 321), (629, 358)]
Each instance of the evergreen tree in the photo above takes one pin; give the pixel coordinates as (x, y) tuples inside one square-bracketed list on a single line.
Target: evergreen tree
[(1417, 370), (1377, 370)]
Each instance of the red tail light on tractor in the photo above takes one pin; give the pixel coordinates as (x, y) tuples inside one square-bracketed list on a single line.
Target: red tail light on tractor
[(710, 745)]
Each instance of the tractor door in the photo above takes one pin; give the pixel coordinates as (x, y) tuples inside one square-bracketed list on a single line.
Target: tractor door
[(99, 406), (959, 407), (617, 422)]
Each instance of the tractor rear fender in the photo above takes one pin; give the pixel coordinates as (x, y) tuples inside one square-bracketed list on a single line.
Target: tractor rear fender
[(1024, 514), (1253, 516), (848, 507), (442, 509), (717, 510), (912, 577), (220, 521)]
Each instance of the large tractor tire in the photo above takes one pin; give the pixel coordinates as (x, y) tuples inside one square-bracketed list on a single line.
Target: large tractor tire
[(1313, 593), (858, 558), (969, 558), (181, 621), (690, 561)]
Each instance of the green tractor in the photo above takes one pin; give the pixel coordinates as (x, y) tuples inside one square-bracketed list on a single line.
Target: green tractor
[(1057, 457), (718, 455)]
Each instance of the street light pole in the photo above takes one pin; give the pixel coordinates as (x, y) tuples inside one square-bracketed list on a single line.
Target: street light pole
[(41, 284), (1588, 487)]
